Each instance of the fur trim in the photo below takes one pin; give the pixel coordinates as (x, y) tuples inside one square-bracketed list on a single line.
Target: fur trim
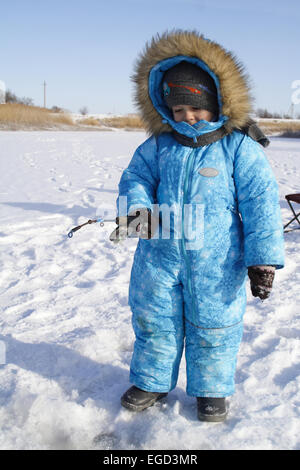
[(234, 87)]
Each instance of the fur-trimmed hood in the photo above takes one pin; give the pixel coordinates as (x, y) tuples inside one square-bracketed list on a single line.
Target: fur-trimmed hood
[(166, 50)]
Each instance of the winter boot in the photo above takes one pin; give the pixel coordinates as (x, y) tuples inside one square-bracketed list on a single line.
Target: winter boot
[(211, 409), (136, 399)]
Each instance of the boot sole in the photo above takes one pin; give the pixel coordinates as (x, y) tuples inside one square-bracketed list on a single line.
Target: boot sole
[(132, 407), (213, 418)]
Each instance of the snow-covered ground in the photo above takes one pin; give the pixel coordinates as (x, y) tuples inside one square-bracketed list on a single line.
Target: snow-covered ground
[(65, 325)]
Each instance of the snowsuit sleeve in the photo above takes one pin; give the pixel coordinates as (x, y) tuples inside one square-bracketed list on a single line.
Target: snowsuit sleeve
[(258, 202), (139, 181)]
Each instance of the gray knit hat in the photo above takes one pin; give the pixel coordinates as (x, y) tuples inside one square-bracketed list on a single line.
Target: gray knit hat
[(185, 83)]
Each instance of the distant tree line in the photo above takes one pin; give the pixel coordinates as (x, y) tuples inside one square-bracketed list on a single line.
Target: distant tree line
[(264, 113), (10, 97)]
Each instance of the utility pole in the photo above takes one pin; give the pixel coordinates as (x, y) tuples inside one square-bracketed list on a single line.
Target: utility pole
[(45, 84), (291, 111), (2, 92)]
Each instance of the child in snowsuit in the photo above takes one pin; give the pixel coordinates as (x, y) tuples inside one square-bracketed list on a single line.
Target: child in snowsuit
[(189, 286)]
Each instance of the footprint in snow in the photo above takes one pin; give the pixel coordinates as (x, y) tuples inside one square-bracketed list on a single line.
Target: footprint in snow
[(288, 333), (88, 199)]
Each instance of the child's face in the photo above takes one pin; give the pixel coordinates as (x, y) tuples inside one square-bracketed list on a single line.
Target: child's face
[(190, 114)]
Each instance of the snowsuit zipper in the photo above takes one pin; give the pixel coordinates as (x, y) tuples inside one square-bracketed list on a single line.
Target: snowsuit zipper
[(186, 187)]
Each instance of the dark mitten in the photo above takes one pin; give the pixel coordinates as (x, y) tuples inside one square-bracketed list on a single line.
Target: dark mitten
[(142, 222), (261, 280), (137, 223)]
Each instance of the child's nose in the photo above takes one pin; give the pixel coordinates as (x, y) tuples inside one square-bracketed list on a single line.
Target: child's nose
[(189, 116)]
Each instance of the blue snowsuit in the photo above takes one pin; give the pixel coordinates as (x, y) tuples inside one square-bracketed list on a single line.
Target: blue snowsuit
[(189, 287)]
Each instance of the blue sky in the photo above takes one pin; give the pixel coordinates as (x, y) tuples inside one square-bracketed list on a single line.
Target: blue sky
[(85, 50)]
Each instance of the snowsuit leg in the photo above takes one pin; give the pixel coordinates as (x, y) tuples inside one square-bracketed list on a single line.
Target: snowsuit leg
[(159, 301), (156, 301), (159, 343), (211, 356)]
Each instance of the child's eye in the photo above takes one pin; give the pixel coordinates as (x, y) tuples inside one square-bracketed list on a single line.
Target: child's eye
[(177, 110)]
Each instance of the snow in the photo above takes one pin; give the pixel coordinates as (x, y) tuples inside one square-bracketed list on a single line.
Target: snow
[(65, 325)]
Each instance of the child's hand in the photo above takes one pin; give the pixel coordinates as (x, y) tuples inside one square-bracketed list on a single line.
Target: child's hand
[(142, 222), (261, 280), (137, 223)]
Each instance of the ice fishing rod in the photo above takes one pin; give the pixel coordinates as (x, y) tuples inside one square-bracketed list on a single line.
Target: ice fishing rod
[(101, 220), (117, 235)]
